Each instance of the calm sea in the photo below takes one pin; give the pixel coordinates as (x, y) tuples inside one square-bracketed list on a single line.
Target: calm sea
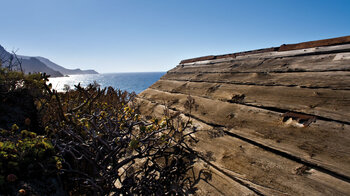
[(130, 82)]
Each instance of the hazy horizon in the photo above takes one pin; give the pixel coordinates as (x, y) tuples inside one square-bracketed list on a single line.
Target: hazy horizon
[(154, 36)]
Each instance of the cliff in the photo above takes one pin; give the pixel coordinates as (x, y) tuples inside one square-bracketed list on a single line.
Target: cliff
[(63, 70), (29, 64), (51, 65), (273, 121), (39, 64)]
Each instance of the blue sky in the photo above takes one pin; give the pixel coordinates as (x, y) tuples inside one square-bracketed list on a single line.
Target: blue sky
[(154, 35)]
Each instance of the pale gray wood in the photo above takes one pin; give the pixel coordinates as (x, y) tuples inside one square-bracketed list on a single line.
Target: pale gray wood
[(268, 173), (327, 103), (332, 80), (322, 143)]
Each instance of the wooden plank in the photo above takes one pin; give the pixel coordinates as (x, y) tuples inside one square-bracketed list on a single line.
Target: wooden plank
[(317, 43), (333, 80), (213, 182), (322, 143), (284, 47), (203, 58), (332, 104), (283, 64), (266, 172), (267, 55), (232, 55), (301, 52)]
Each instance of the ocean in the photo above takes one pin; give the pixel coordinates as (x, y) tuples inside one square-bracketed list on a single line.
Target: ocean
[(131, 82)]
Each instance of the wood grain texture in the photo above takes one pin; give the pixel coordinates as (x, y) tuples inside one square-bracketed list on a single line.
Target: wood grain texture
[(245, 138), (331, 147), (267, 173), (331, 80), (313, 63), (327, 103)]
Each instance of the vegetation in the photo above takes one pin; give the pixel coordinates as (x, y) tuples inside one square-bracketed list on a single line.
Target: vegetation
[(88, 141)]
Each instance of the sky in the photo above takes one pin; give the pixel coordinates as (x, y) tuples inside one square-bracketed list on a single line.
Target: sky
[(155, 35)]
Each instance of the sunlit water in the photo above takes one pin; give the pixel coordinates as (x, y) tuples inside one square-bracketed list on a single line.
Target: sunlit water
[(130, 82)]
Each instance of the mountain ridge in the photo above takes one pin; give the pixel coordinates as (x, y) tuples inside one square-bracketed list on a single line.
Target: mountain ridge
[(40, 64), (28, 65), (62, 69)]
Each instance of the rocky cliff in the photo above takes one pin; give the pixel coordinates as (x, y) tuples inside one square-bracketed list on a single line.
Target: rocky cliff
[(38, 64), (48, 63), (63, 70), (28, 64), (273, 121)]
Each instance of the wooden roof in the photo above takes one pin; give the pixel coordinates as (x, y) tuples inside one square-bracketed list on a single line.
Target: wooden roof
[(274, 122)]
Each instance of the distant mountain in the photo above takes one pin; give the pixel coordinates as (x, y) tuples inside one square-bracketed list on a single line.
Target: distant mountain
[(63, 70), (29, 65), (41, 64), (33, 65)]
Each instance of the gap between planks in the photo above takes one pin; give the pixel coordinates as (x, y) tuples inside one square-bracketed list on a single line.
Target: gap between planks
[(267, 148)]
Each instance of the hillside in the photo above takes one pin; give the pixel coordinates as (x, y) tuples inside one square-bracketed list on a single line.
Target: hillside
[(274, 121), (41, 64), (63, 70), (29, 65)]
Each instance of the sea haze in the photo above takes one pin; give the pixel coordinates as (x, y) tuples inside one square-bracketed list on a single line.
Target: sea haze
[(131, 82)]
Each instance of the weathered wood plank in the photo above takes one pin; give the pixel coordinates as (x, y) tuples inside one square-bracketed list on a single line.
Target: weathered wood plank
[(317, 43), (332, 104), (213, 182), (333, 80), (266, 172), (322, 143), (266, 55), (301, 52), (241, 105), (322, 62)]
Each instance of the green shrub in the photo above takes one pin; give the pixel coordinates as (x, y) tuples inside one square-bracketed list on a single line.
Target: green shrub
[(25, 156), (87, 141)]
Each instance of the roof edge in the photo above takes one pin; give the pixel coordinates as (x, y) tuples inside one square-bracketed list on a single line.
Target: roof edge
[(284, 47)]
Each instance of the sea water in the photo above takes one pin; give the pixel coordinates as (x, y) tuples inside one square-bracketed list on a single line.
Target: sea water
[(131, 82)]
